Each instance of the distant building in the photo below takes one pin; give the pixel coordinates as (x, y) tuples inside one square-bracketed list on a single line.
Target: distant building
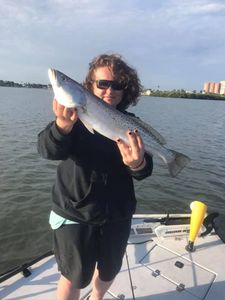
[(214, 87), (206, 87), (146, 92), (211, 87), (217, 88), (222, 87)]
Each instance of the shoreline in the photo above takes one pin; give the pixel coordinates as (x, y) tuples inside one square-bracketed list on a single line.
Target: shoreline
[(193, 96), (41, 86), (160, 94)]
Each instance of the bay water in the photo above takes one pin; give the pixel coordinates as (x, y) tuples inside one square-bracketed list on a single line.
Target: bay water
[(193, 127)]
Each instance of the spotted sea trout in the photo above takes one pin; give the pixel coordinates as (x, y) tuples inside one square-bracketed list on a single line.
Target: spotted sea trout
[(99, 116)]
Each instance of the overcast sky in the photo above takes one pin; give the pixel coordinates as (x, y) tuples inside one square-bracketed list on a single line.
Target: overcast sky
[(171, 43)]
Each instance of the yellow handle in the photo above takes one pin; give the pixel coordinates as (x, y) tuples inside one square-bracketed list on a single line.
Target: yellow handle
[(197, 216)]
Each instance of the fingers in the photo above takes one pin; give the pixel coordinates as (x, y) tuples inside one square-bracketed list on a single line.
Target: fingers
[(135, 144), (133, 151), (64, 112), (65, 117), (124, 148)]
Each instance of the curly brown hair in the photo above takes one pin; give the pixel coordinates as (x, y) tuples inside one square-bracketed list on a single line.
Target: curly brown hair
[(122, 73)]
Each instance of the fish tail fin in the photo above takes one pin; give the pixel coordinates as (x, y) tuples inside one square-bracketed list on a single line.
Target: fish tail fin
[(178, 162)]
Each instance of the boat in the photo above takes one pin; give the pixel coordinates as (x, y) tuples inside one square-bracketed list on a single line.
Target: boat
[(161, 263)]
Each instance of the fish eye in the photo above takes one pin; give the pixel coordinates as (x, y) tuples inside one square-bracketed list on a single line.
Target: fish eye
[(63, 78)]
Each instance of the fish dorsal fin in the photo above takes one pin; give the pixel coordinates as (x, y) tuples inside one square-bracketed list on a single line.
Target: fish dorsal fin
[(161, 140)]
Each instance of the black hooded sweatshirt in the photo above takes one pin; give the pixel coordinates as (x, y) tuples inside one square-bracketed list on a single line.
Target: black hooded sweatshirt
[(92, 184)]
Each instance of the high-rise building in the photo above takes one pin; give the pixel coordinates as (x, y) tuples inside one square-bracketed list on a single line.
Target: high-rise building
[(211, 87), (214, 87), (206, 87), (222, 87), (217, 88)]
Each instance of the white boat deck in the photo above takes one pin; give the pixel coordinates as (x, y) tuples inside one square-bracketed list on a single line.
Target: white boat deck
[(159, 269)]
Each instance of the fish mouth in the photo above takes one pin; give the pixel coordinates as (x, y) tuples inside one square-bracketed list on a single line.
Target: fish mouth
[(51, 75)]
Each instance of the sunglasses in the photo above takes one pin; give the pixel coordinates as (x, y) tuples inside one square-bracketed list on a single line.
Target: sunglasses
[(104, 84)]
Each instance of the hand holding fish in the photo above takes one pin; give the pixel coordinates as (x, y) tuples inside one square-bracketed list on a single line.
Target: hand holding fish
[(132, 153), (65, 117)]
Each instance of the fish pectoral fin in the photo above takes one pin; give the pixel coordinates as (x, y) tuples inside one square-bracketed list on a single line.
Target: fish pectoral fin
[(88, 126)]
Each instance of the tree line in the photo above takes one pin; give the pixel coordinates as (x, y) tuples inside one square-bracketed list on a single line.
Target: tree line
[(27, 85), (183, 94)]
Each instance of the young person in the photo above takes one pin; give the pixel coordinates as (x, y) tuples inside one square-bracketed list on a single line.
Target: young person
[(93, 196)]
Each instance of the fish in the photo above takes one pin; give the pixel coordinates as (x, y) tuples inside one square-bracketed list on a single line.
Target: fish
[(97, 115)]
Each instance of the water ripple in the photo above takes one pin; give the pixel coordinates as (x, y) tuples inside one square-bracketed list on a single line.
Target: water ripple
[(193, 127)]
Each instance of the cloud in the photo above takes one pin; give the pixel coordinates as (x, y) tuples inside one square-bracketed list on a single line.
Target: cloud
[(160, 38)]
